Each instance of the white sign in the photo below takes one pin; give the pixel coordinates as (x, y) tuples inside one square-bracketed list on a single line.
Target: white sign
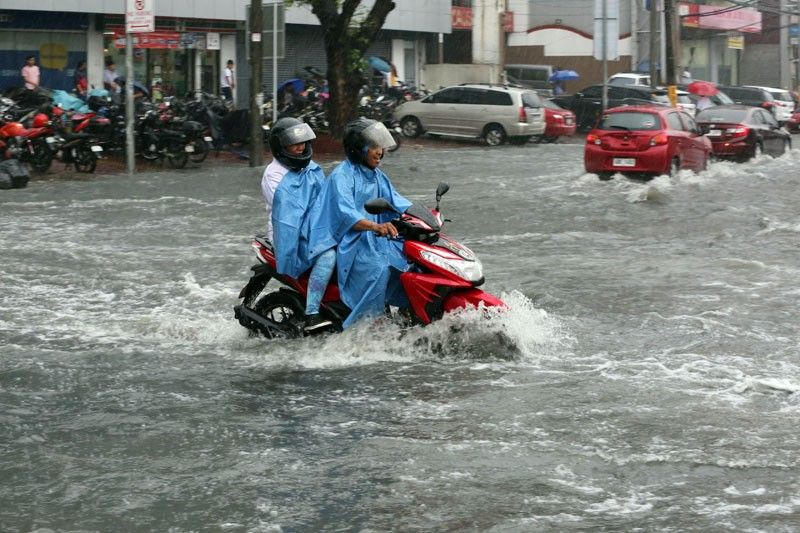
[(140, 16), (212, 41), (606, 29)]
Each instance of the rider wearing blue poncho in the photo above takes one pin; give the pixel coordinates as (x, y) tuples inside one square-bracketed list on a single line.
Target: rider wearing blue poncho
[(291, 185), (368, 263)]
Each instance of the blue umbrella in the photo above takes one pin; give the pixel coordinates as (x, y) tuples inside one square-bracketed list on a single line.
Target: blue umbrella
[(564, 75), (297, 84), (379, 64)]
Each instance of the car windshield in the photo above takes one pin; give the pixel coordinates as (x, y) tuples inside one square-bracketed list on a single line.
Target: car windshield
[(531, 99), (552, 105), (732, 116), (659, 97), (630, 121)]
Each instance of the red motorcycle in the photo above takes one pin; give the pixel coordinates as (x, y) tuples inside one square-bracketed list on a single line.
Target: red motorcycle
[(445, 277)]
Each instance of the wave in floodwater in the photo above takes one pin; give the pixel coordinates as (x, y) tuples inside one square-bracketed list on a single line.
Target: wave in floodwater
[(520, 333), (658, 188)]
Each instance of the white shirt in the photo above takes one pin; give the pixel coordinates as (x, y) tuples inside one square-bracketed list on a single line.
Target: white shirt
[(272, 177), (227, 74)]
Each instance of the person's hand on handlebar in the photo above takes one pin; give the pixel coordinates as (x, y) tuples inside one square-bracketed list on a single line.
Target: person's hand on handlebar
[(387, 229)]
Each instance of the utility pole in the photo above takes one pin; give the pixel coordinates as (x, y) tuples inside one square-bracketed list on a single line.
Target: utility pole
[(256, 95), (605, 55), (669, 43), (653, 44)]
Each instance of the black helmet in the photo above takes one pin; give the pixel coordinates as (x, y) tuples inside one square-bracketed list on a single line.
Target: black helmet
[(288, 131), (362, 133)]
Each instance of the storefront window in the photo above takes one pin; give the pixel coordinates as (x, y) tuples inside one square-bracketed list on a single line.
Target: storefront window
[(57, 54)]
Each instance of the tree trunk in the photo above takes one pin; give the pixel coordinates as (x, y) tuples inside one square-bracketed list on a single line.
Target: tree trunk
[(344, 87)]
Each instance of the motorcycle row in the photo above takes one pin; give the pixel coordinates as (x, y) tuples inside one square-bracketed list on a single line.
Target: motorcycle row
[(38, 128)]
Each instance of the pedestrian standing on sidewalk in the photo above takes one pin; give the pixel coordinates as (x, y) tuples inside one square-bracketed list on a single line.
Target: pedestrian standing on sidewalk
[(228, 82), (31, 74), (80, 81)]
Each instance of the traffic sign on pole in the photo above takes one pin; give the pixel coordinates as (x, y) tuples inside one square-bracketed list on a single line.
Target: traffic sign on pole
[(140, 16)]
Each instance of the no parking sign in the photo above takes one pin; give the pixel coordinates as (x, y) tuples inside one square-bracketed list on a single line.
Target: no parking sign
[(140, 16)]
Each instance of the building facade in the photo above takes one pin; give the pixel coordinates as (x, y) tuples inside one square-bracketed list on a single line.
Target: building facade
[(192, 42)]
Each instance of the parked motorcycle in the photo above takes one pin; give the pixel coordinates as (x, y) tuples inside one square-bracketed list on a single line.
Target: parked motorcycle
[(445, 277), (157, 143)]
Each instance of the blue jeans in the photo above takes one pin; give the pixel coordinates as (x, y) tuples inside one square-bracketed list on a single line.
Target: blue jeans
[(318, 280)]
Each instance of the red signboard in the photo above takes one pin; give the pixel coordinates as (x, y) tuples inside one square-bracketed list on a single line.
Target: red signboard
[(461, 19), (743, 19), (155, 39)]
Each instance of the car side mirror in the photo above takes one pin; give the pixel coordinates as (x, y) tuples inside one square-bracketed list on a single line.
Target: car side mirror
[(377, 206)]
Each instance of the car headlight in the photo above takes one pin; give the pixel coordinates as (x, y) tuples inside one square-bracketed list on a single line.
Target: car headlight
[(468, 270)]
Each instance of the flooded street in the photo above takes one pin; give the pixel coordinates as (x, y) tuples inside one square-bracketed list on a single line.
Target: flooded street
[(645, 376)]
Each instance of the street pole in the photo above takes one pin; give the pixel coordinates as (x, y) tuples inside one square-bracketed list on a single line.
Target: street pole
[(274, 62), (669, 43), (653, 44), (256, 133), (604, 47), (130, 155)]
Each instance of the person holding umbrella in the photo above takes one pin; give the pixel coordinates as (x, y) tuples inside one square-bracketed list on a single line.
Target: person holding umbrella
[(705, 90), (559, 77)]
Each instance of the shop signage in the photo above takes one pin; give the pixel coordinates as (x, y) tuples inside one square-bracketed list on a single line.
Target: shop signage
[(212, 41), (155, 39), (743, 19), (140, 16), (736, 43), (461, 19)]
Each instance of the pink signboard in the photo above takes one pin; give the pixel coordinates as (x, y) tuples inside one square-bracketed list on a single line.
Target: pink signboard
[(743, 19)]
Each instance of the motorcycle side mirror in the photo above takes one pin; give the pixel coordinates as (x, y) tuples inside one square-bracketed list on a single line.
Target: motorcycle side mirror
[(377, 206), (441, 190)]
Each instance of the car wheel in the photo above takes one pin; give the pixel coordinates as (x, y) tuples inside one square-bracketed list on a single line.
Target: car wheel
[(411, 127), (494, 134), (674, 167)]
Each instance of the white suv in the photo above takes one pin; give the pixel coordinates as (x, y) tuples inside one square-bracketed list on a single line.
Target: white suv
[(629, 78), (782, 106), (495, 113)]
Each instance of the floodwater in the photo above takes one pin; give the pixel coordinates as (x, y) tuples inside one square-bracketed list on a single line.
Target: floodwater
[(646, 375)]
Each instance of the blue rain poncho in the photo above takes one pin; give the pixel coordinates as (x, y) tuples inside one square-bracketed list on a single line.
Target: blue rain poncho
[(291, 209), (363, 259)]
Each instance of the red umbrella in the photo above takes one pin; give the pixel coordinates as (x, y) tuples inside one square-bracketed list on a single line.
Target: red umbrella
[(703, 88)]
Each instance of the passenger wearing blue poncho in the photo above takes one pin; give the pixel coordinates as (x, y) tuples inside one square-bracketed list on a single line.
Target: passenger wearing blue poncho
[(368, 262), (291, 185)]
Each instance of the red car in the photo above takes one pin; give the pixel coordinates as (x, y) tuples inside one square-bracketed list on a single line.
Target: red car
[(559, 122), (741, 132), (645, 140)]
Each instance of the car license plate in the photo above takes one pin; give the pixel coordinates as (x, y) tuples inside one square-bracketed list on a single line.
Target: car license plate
[(624, 162), (714, 133), (569, 121), (189, 148), (96, 148)]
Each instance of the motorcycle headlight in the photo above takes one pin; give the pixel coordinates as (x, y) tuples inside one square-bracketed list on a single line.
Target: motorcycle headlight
[(468, 270)]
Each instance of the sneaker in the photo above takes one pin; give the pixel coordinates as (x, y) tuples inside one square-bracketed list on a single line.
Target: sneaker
[(316, 323)]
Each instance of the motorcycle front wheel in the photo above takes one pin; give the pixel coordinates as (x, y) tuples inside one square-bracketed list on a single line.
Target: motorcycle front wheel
[(85, 160), (42, 156)]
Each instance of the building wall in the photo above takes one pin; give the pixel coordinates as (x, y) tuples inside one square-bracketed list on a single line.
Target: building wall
[(753, 71)]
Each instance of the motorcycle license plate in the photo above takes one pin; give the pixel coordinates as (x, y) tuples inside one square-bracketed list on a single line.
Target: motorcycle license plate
[(207, 139), (96, 148), (624, 162), (189, 148)]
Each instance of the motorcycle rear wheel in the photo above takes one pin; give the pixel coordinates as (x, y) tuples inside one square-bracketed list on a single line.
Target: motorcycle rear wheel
[(282, 308), (200, 151), (177, 155)]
